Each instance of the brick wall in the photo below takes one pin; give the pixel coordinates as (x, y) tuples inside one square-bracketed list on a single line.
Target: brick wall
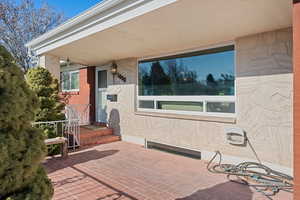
[(86, 94), (296, 38)]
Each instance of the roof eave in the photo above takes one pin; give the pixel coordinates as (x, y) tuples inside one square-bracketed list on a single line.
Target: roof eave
[(98, 8)]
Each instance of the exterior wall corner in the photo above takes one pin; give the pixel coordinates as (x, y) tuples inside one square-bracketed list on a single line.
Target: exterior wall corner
[(296, 53), (52, 63)]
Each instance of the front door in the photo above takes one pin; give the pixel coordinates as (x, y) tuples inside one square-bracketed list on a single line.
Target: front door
[(101, 91)]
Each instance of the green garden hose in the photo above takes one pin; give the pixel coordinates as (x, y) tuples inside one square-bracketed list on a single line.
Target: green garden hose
[(264, 179)]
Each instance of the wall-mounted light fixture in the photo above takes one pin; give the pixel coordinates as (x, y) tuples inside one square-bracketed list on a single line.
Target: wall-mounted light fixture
[(114, 68), (68, 61), (114, 72)]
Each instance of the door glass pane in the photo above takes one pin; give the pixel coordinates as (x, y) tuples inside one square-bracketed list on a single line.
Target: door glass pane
[(222, 107), (75, 80), (180, 105), (102, 79), (101, 106)]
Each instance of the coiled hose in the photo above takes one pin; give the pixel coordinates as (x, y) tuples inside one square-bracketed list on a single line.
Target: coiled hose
[(265, 180)]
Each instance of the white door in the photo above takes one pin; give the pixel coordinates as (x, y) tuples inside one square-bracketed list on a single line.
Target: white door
[(101, 92)]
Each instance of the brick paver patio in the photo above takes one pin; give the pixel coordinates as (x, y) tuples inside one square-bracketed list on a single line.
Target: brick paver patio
[(122, 171)]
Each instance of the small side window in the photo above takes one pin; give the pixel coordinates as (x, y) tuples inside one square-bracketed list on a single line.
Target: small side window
[(70, 81)]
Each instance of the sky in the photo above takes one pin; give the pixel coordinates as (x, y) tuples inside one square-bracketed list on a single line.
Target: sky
[(70, 8)]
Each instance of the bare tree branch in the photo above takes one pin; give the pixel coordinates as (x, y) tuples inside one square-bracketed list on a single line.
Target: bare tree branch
[(22, 22)]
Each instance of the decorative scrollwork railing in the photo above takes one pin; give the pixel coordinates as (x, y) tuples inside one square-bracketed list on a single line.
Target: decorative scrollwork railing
[(64, 128), (80, 112)]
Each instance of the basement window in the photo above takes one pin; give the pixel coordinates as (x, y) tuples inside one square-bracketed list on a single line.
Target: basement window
[(70, 81), (196, 83)]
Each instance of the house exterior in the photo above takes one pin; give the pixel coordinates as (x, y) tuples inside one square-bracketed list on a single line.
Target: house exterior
[(183, 73)]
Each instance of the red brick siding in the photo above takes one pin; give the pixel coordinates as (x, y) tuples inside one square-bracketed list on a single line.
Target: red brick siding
[(86, 94), (296, 55)]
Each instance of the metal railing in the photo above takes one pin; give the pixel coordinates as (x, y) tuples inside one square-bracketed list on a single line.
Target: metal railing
[(80, 112), (64, 128), (76, 115)]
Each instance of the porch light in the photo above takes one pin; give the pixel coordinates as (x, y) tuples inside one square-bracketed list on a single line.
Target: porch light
[(68, 62), (114, 69), (114, 72)]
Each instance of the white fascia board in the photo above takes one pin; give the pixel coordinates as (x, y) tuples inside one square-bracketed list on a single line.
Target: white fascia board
[(74, 20), (130, 11)]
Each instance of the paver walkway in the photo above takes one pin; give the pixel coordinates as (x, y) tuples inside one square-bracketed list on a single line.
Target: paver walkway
[(121, 170)]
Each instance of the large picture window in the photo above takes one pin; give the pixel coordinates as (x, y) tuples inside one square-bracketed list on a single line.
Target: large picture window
[(70, 80), (201, 82)]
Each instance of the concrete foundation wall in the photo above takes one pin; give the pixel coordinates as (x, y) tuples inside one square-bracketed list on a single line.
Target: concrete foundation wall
[(264, 105)]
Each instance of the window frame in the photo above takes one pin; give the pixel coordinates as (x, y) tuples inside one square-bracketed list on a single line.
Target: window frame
[(70, 81), (196, 98)]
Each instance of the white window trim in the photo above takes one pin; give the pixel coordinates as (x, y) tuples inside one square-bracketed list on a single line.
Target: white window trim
[(203, 99), (70, 80)]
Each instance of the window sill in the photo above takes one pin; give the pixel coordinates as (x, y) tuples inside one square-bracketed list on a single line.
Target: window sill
[(230, 120), (70, 92)]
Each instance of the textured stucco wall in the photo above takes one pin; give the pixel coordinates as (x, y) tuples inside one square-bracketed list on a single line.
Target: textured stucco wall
[(264, 104), (51, 63), (265, 93)]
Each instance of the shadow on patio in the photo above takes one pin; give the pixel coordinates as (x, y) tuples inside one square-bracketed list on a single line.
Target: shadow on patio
[(79, 176), (221, 192), (77, 158)]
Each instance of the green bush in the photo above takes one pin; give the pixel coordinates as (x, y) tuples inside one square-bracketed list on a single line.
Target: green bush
[(22, 147), (46, 87)]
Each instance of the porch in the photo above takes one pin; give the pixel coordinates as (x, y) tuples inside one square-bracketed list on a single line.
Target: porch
[(256, 95), (123, 170), (130, 32)]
